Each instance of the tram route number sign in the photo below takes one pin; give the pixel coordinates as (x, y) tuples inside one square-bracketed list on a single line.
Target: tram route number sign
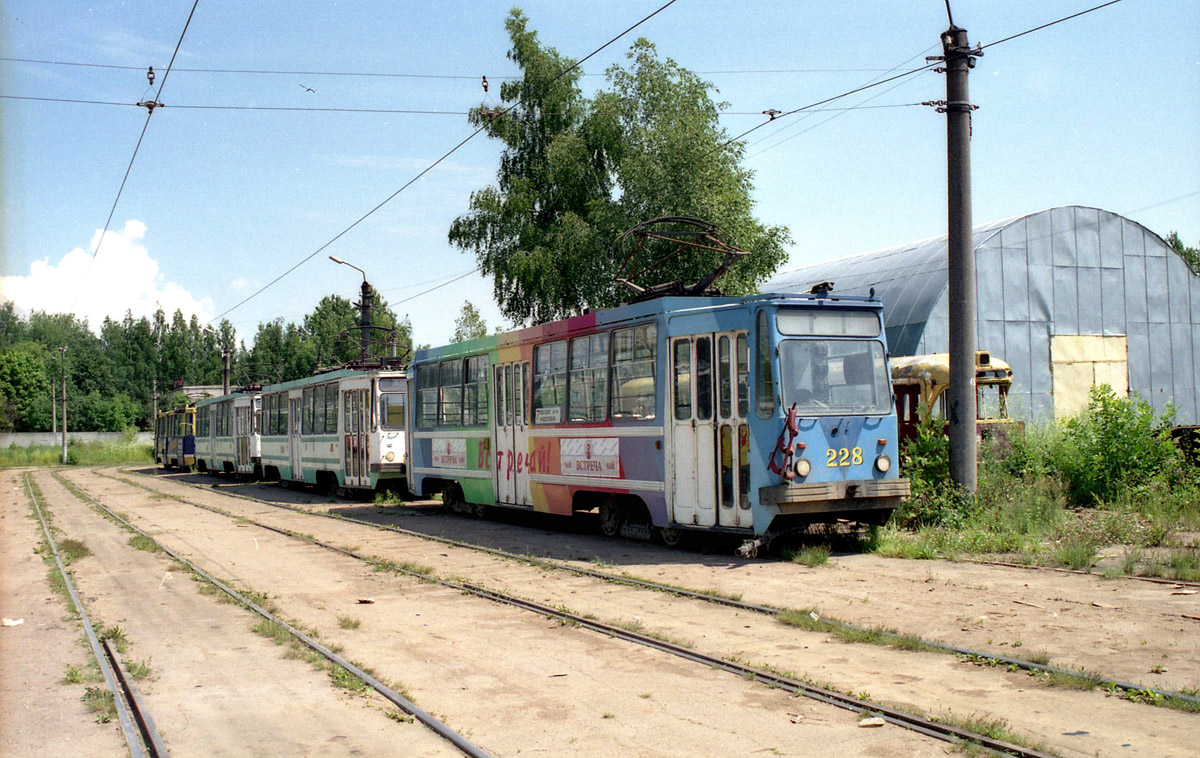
[(590, 456)]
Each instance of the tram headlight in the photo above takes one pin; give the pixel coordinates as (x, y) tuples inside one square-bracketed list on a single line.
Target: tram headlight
[(803, 468), (390, 456), (883, 463)]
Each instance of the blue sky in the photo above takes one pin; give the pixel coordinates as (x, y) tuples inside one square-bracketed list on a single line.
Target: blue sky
[(1103, 110)]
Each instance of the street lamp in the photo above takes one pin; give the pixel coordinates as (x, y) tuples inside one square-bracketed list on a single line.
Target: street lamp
[(364, 306)]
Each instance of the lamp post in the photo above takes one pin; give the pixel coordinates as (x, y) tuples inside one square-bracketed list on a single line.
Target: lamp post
[(364, 307)]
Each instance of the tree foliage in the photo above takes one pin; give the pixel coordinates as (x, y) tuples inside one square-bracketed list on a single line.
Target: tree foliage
[(576, 172), (1190, 255), (112, 376), (469, 325)]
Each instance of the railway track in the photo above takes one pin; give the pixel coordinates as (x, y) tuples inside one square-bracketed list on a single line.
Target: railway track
[(898, 717), (131, 712), (992, 658), (137, 726)]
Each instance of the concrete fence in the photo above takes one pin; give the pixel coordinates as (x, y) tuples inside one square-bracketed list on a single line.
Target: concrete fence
[(30, 439)]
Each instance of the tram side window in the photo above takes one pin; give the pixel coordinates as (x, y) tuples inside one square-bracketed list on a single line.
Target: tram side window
[(331, 408), (549, 382), (633, 380), (683, 379), (589, 378), (765, 388), (475, 391), (451, 393), (427, 395), (306, 411)]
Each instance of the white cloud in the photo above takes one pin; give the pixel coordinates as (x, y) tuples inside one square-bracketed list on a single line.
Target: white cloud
[(240, 283), (123, 277)]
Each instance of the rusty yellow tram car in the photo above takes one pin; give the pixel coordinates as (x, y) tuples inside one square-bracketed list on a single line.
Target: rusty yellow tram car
[(920, 382)]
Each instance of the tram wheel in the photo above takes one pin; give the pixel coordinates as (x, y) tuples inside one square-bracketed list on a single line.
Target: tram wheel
[(452, 497), (478, 510), (610, 518), (669, 536)]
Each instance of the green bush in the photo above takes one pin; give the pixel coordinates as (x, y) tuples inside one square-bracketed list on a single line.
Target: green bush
[(934, 501), (1116, 442)]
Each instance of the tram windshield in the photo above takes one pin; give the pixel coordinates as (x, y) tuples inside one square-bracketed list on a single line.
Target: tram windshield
[(391, 404), (835, 377)]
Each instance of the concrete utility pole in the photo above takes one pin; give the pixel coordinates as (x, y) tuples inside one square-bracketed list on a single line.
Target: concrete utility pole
[(63, 382), (53, 408), (225, 371), (960, 59)]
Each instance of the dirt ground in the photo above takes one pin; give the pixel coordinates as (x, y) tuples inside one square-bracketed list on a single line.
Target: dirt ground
[(216, 688), (935, 599), (512, 681)]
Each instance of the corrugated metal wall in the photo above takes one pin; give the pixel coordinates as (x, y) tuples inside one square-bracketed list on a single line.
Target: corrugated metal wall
[(1064, 271)]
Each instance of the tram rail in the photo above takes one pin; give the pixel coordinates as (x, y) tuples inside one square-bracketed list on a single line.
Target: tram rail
[(459, 741), (975, 655), (904, 719)]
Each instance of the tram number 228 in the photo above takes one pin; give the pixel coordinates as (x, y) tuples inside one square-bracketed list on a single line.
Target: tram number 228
[(844, 457)]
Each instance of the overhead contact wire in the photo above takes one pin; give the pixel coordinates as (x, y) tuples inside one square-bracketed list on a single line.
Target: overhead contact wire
[(410, 182)]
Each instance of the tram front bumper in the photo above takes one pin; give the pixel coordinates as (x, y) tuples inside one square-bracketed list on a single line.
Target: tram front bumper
[(387, 468), (835, 497)]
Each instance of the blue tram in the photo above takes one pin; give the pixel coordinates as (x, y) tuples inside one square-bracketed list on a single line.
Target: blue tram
[(747, 416), (174, 438)]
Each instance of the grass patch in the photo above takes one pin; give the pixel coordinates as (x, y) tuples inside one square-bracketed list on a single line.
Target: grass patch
[(138, 670), (812, 622), (72, 675), (399, 716), (274, 631), (346, 622), (1054, 494), (400, 567), (343, 679), (1075, 552), (115, 635), (72, 550), (126, 450), (992, 728), (99, 702), (809, 555), (142, 542)]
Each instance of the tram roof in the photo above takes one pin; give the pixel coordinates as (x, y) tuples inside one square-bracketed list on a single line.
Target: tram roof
[(329, 376), (603, 318)]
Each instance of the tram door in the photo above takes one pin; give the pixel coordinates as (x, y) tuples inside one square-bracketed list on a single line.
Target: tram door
[(710, 436), (294, 437), (733, 431), (356, 421), (693, 435), (241, 431), (512, 433)]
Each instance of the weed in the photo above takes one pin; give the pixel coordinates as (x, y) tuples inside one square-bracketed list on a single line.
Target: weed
[(342, 678), (73, 675), (347, 622), (142, 542), (100, 702), (273, 630), (1076, 552), (115, 635), (138, 670), (72, 550), (400, 567), (79, 453), (400, 716), (609, 715), (809, 555)]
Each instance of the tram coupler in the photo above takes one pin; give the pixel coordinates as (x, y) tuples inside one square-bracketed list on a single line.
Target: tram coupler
[(750, 548)]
